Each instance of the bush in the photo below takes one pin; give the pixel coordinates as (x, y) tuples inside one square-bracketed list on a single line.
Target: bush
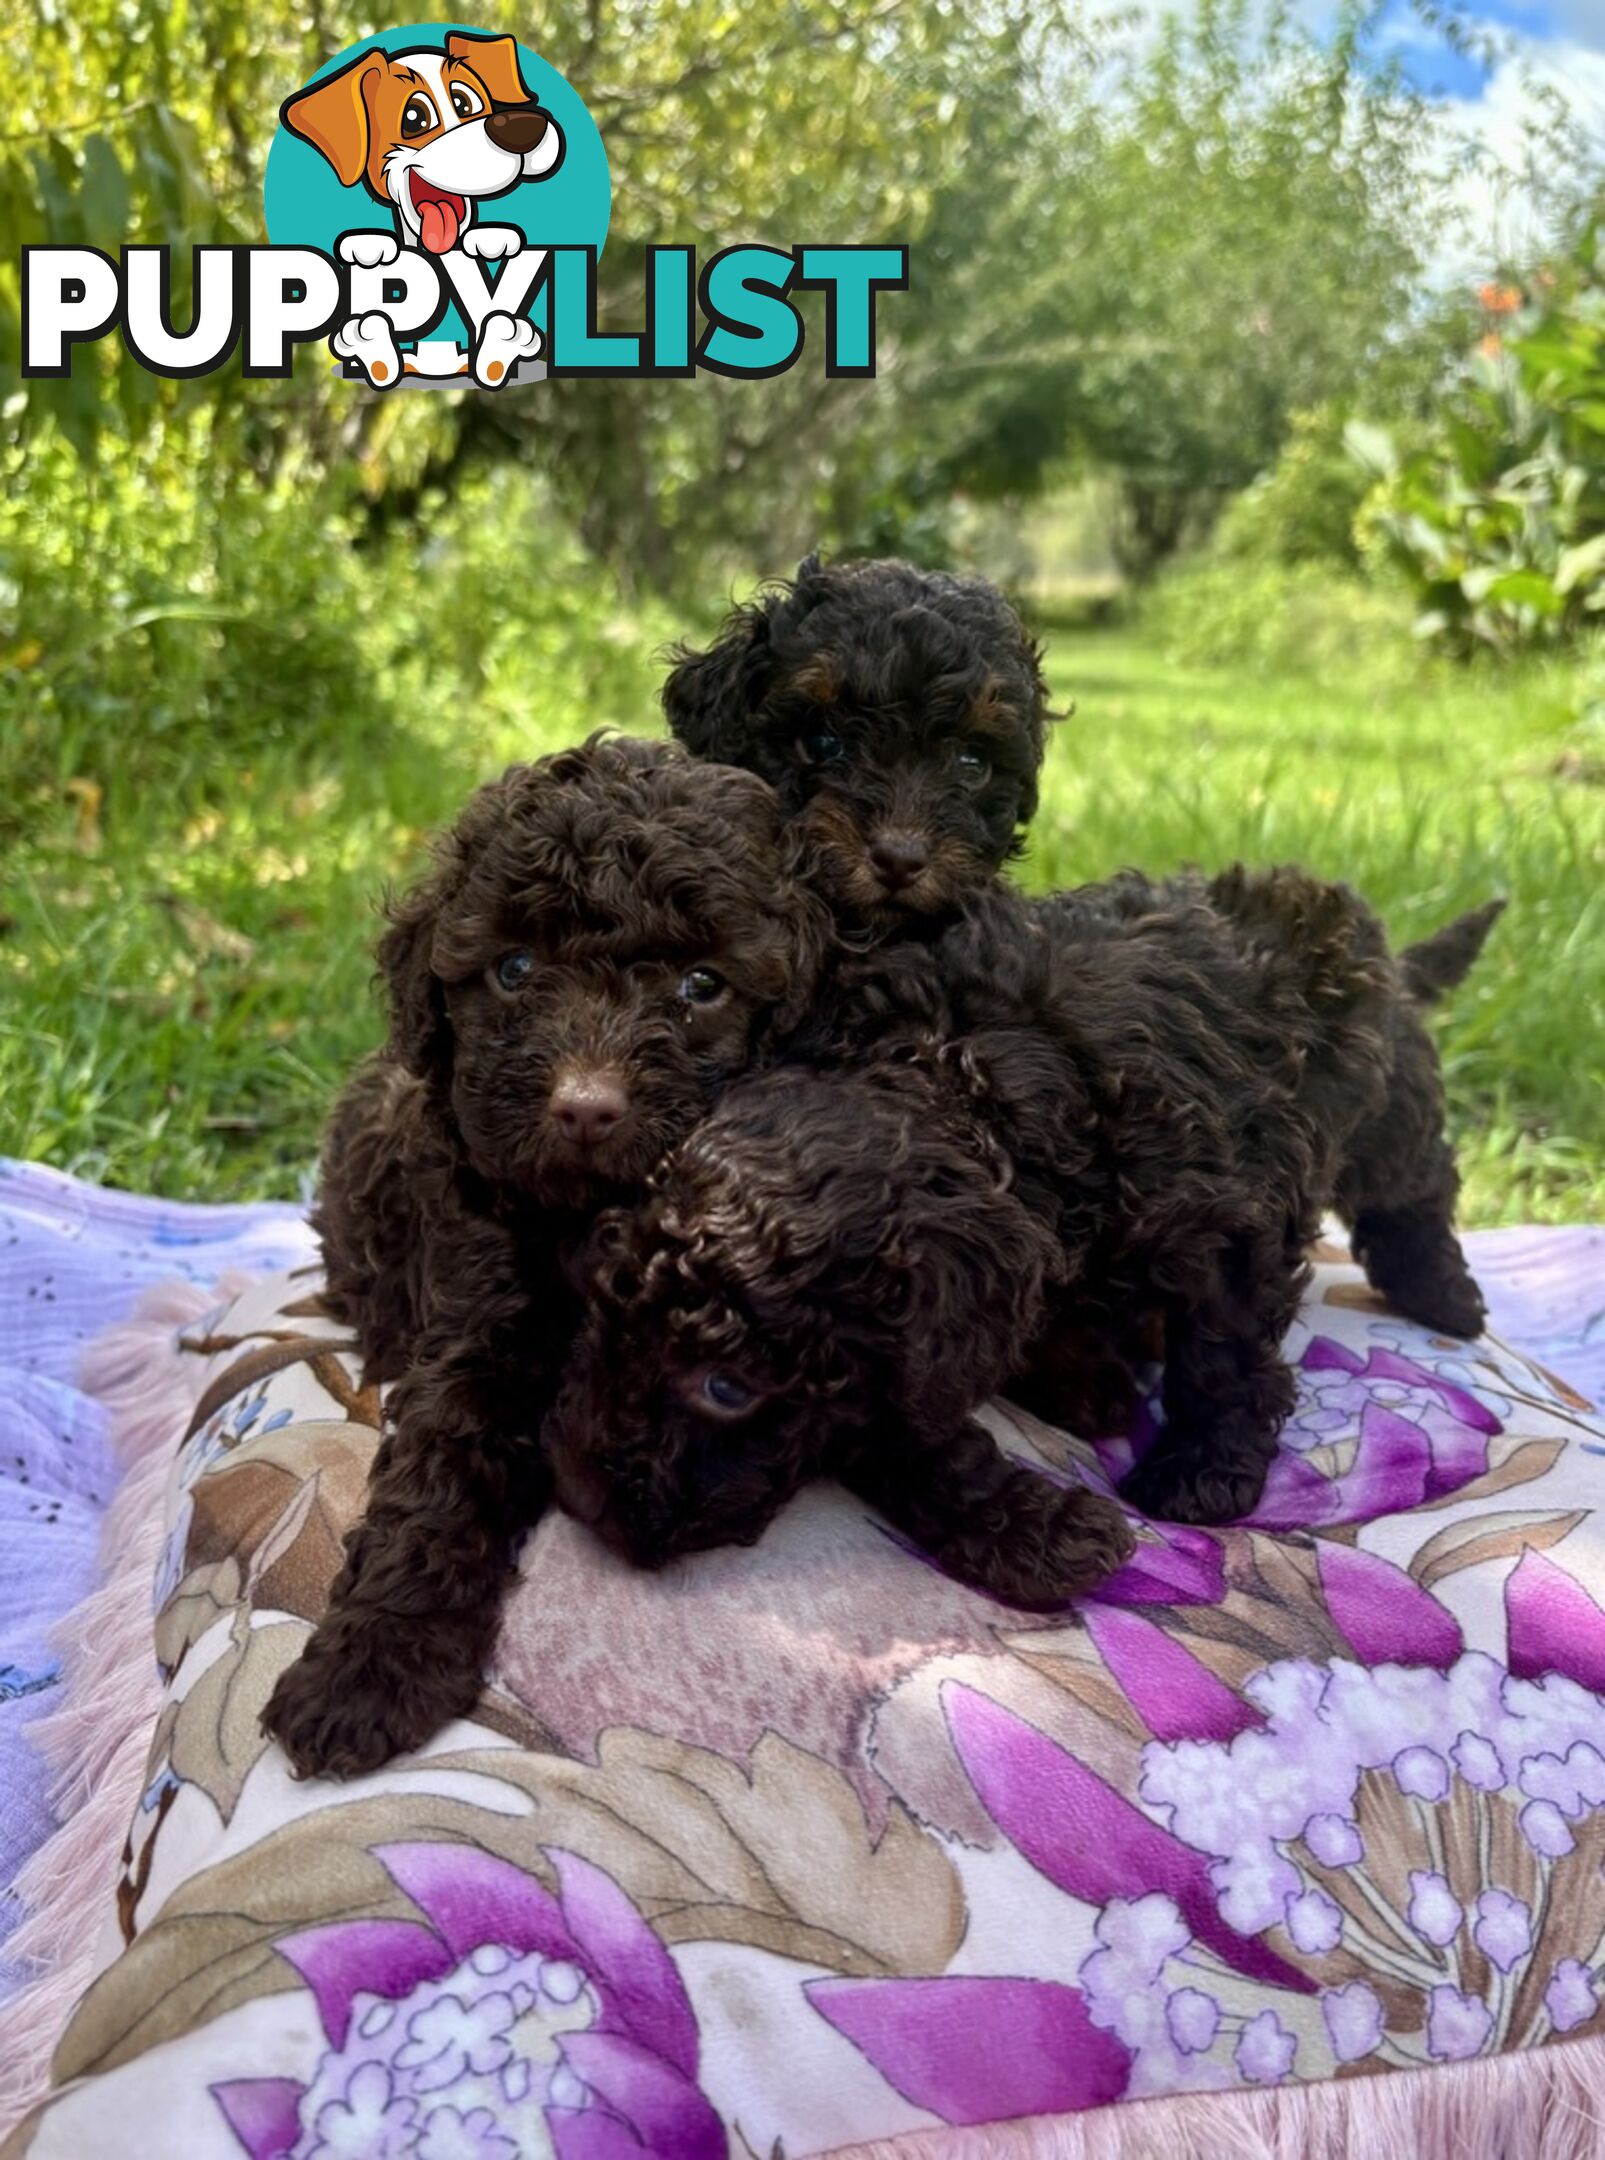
[(159, 627), (1220, 610), (1303, 510), (1499, 521)]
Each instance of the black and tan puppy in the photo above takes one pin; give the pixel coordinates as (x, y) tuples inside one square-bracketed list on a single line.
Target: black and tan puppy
[(1177, 1090), (607, 938), (900, 715)]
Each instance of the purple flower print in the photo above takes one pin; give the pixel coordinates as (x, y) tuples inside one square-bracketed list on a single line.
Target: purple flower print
[(1240, 1879), (508, 2022), (1571, 1998), (979, 2050), (1266, 2051), (1193, 2019), (1371, 1436), (1354, 2018), (1555, 1626), (1483, 1762), (1433, 1910), (1458, 2025), (1503, 1929)]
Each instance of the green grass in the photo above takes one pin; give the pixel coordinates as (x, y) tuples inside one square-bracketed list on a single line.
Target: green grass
[(184, 970), (1428, 796)]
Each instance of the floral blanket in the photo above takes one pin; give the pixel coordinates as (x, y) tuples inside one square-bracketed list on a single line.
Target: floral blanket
[(778, 1851), (74, 1257)]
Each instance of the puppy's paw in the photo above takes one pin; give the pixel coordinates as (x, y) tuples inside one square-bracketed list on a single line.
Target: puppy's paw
[(504, 340), (370, 342), (492, 243), (1194, 1483), (1452, 1305), (368, 250), (357, 1697), (1059, 1542)]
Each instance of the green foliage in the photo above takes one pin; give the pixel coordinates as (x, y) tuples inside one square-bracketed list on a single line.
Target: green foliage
[(188, 910), (1210, 231), (1221, 609), (855, 119), (1304, 508), (195, 827), (1499, 520), (1143, 253)]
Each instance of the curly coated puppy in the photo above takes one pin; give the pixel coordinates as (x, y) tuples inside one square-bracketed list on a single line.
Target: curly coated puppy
[(607, 938), (830, 1273), (900, 714), (1179, 1089), (1398, 1182)]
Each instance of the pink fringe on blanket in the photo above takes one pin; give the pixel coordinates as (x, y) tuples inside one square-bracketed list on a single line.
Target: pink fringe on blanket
[(1544, 2104), (97, 1742)]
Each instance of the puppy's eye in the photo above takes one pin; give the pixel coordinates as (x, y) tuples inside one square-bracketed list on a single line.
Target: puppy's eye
[(822, 746), (418, 115), (703, 986), (463, 101), (725, 1395), (513, 970), (973, 769)]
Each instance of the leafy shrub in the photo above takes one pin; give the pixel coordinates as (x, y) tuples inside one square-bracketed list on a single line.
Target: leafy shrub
[(1302, 618), (157, 624), (1499, 521), (1302, 510)]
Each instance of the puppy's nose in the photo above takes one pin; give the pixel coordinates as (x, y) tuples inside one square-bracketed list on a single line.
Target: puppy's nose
[(586, 1107), (899, 857), (517, 130)]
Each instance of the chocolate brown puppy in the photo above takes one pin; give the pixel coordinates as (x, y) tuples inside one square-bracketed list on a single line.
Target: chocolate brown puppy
[(1144, 1111), (829, 1275), (608, 937)]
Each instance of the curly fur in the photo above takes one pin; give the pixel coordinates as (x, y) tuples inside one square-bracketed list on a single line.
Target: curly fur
[(1137, 1101), (846, 1250), (452, 1188), (899, 713)]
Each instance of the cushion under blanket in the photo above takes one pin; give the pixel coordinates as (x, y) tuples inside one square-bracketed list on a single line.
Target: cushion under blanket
[(781, 1851)]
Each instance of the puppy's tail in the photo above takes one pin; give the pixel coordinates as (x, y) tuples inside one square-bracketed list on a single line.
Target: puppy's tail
[(1446, 958)]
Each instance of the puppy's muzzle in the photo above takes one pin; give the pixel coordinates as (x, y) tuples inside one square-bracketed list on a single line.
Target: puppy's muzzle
[(589, 1108), (897, 856)]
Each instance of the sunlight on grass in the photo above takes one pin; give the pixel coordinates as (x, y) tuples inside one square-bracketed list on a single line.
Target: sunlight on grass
[(1428, 800), (184, 974)]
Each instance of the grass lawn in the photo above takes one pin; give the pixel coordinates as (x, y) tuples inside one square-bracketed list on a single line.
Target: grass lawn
[(183, 934)]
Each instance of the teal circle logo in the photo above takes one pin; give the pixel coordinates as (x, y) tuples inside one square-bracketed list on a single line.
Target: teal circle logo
[(441, 140)]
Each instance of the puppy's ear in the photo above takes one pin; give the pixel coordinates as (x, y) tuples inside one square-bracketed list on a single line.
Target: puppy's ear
[(420, 1035), (495, 61), (333, 115), (709, 697)]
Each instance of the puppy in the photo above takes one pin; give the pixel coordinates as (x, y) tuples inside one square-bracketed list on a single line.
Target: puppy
[(607, 938), (900, 715), (829, 1274), (1179, 1090)]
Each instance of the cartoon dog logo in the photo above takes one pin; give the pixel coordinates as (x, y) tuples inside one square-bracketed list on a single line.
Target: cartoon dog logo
[(431, 134)]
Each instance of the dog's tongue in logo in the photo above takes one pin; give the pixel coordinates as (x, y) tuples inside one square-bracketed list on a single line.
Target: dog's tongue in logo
[(432, 132), (440, 214)]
